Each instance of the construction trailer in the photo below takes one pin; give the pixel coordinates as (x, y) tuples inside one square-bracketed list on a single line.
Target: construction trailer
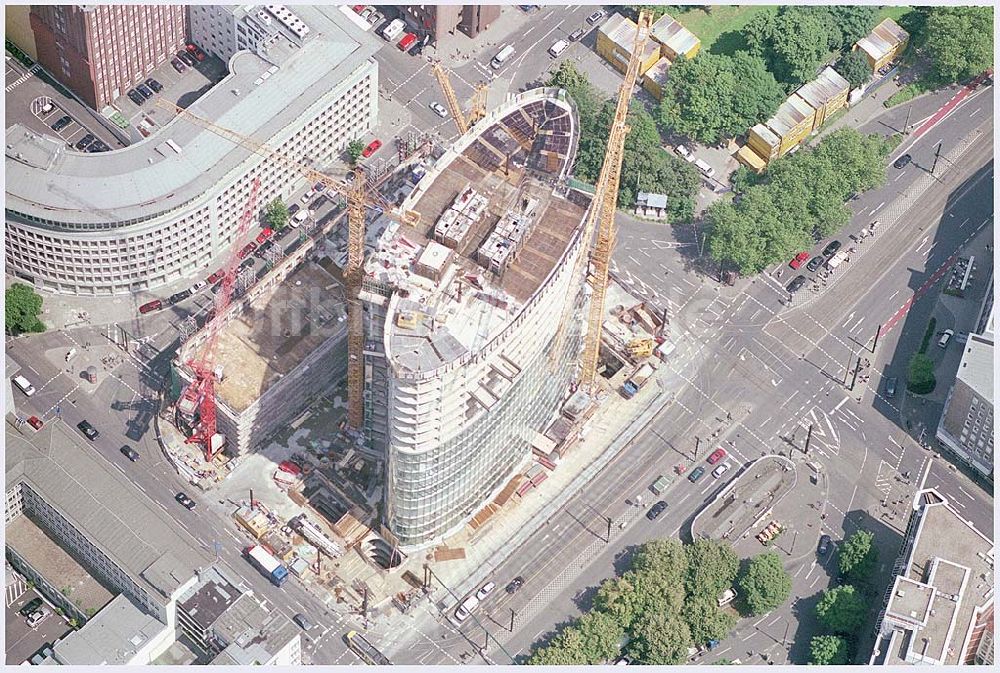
[(675, 40), (881, 46), (615, 38)]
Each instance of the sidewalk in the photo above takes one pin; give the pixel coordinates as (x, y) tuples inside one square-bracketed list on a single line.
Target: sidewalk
[(462, 49)]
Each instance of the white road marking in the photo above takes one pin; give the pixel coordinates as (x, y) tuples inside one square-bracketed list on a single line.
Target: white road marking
[(841, 403)]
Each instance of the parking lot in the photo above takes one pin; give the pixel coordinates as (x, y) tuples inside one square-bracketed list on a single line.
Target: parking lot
[(24, 641)]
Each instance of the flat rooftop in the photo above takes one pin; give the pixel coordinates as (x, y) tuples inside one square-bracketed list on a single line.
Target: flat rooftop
[(56, 565), (510, 161), (150, 178), (273, 338), (112, 637)]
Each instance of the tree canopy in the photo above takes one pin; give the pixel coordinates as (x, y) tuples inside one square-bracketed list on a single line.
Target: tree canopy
[(854, 68), (858, 556), (920, 377), (828, 651), (354, 150), (712, 567), (959, 41), (22, 306), (713, 97), (765, 584), (800, 199), (841, 609), (706, 620), (276, 214), (593, 639), (661, 639)]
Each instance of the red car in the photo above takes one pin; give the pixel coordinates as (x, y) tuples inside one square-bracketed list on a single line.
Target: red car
[(406, 41), (35, 422), (372, 148), (264, 235), (716, 456), (195, 51), (799, 260), (150, 306), (247, 249), (216, 277), (358, 8)]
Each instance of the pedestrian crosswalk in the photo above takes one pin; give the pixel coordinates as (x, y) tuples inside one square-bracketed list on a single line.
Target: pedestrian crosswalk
[(15, 590), (23, 78)]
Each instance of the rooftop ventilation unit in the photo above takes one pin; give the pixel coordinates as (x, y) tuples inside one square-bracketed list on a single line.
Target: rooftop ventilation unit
[(289, 19)]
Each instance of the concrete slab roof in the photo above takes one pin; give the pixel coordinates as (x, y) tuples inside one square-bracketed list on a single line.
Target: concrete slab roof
[(976, 368), (260, 98), (104, 506), (111, 637), (824, 88)]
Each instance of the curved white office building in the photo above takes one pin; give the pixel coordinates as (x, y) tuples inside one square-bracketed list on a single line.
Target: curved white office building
[(143, 216), (463, 312)]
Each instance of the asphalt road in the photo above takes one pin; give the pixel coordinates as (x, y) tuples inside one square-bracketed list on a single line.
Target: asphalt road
[(775, 369)]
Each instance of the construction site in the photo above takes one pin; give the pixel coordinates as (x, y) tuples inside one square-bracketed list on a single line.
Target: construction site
[(453, 298)]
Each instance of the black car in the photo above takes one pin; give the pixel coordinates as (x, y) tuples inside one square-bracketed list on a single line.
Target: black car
[(178, 64), (85, 141), (902, 161), (265, 246), (319, 187), (144, 91), (890, 386), (656, 510), (824, 545), (576, 34), (62, 123), (188, 59), (88, 430), (292, 209), (318, 203), (98, 146), (184, 500), (179, 296), (246, 263), (30, 607), (831, 248), (814, 263), (130, 453), (154, 85), (302, 621), (796, 284), (135, 97), (515, 584)]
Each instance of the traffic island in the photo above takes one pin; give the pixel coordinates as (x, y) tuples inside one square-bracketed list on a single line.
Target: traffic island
[(746, 501)]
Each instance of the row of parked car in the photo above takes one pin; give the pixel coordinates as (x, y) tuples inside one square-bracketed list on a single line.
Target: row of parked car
[(88, 143)]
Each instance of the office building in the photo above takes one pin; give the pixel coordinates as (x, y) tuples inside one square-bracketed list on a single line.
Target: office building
[(101, 51), (438, 22)]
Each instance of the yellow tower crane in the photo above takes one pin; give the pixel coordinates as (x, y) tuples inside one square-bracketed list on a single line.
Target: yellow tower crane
[(478, 109), (602, 217), (358, 195)]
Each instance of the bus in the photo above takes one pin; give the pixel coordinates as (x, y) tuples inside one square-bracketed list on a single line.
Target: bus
[(368, 652)]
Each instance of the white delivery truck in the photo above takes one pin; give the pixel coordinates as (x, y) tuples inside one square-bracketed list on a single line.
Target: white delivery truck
[(502, 56), (394, 29)]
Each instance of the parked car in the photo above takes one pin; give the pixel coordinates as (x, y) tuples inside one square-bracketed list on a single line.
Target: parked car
[(798, 260), (195, 51), (945, 338), (486, 590), (144, 91), (622, 661), (890, 386), (515, 584), (438, 109), (824, 545), (265, 234), (30, 606), (595, 17), (35, 422), (962, 337), (130, 453), (684, 153), (796, 284), (815, 263), (98, 146), (150, 306), (62, 123), (187, 58), (247, 249), (375, 18), (88, 430), (696, 474), (184, 500), (656, 510), (178, 297), (216, 277), (716, 456), (372, 148), (721, 470), (366, 12), (178, 65), (831, 248), (135, 97), (576, 34), (302, 621), (154, 85), (84, 142), (267, 245), (902, 162), (38, 616), (197, 287)]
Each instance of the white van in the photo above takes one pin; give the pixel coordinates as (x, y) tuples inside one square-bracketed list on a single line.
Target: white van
[(704, 168), (394, 29), (299, 218), (558, 48), (727, 597), (24, 385), (502, 57), (308, 195), (464, 610)]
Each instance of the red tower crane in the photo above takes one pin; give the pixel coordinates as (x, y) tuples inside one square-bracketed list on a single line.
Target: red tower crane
[(200, 393)]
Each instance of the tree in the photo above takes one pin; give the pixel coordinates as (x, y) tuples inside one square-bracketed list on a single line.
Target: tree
[(354, 150), (841, 609), (593, 639), (661, 639), (765, 584), (712, 567), (854, 68), (712, 97), (828, 651), (664, 557), (276, 214), (854, 22), (857, 556), (959, 41), (22, 306), (795, 42), (920, 378), (706, 621)]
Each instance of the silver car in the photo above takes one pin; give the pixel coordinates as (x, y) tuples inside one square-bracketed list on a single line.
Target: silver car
[(439, 109)]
